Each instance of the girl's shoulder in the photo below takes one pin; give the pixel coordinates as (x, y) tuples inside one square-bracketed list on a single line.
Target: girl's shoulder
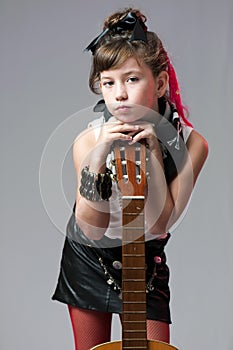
[(191, 135), (85, 141), (96, 122), (90, 134), (198, 147)]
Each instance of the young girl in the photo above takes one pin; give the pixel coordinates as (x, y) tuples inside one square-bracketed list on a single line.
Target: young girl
[(133, 72)]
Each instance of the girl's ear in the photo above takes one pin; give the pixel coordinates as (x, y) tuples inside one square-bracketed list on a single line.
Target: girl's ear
[(162, 81)]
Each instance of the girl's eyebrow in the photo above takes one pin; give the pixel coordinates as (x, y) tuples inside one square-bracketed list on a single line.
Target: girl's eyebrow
[(134, 71)]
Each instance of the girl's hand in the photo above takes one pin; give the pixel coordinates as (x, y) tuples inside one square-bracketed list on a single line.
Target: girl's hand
[(111, 131), (116, 130), (146, 131)]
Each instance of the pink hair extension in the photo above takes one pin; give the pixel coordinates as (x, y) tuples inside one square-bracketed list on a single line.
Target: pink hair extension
[(174, 91)]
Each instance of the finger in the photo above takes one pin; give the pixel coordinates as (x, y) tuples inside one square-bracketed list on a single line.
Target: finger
[(124, 128), (144, 134), (139, 136), (120, 136), (132, 133)]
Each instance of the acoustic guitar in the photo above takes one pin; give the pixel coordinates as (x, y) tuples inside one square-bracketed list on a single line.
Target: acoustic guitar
[(131, 178)]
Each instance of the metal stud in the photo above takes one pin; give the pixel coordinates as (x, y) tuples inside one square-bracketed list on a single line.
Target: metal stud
[(117, 265)]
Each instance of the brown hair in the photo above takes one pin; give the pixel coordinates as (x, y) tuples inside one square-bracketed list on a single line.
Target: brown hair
[(114, 49)]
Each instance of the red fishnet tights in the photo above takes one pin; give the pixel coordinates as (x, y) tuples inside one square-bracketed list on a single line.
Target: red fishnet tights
[(91, 328), (157, 330)]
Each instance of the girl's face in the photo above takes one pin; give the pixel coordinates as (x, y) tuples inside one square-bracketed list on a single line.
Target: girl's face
[(128, 88)]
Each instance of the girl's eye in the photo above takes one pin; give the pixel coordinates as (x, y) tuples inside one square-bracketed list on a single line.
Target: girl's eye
[(108, 83), (132, 79)]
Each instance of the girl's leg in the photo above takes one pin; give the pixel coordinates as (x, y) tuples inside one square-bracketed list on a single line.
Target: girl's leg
[(157, 330), (90, 327)]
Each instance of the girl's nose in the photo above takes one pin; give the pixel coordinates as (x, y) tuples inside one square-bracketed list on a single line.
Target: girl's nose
[(121, 93)]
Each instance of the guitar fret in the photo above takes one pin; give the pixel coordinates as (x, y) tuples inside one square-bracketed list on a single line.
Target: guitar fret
[(135, 312), (132, 268), (133, 331), (134, 242), (144, 322), (133, 291), (134, 279), (135, 255), (134, 302), (133, 214), (133, 339)]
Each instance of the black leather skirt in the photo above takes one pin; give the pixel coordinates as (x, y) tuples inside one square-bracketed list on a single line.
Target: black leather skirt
[(90, 274)]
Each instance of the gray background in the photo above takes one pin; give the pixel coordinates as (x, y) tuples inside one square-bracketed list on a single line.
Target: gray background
[(44, 81)]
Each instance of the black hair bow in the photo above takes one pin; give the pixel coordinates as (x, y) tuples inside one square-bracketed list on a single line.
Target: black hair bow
[(129, 22)]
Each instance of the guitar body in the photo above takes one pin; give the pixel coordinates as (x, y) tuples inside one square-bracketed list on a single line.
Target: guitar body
[(151, 345)]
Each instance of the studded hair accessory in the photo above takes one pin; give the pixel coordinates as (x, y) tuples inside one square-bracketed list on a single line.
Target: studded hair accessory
[(129, 22), (96, 187)]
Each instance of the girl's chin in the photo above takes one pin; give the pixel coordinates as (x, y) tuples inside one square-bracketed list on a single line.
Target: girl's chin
[(128, 117)]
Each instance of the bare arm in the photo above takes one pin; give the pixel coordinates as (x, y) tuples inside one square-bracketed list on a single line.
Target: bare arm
[(181, 187), (93, 217), (165, 203), (172, 199)]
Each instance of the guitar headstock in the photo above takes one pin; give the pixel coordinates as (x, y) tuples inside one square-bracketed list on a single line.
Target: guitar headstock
[(130, 161)]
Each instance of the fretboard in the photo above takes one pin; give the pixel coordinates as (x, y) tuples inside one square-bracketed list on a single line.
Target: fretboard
[(133, 275)]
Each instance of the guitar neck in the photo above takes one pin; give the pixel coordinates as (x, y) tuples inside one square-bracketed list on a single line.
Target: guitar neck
[(133, 274), (131, 176)]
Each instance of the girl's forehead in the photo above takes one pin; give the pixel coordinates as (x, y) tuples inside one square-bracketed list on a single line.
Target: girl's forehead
[(129, 64)]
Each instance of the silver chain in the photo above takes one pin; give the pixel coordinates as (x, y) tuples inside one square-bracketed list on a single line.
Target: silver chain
[(111, 281)]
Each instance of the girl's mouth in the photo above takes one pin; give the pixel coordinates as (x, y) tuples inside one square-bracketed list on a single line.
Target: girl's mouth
[(122, 108)]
